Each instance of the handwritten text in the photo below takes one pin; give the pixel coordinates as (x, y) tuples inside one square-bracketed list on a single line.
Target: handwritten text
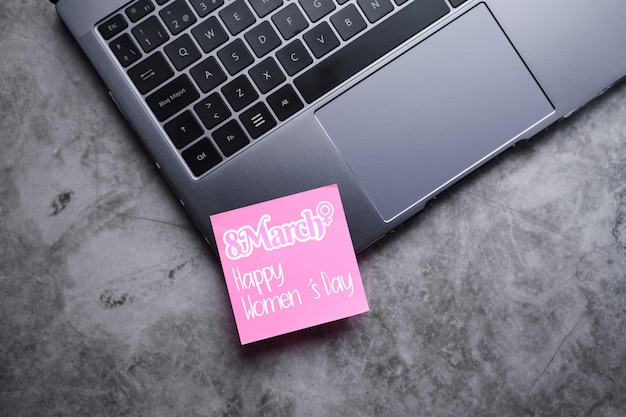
[(242, 242)]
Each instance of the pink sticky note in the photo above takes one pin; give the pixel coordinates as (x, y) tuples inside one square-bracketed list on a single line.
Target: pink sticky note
[(289, 264)]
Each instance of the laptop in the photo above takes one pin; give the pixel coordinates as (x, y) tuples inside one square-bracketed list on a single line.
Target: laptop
[(243, 101)]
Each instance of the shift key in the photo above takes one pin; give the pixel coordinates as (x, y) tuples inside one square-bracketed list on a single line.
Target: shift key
[(172, 98)]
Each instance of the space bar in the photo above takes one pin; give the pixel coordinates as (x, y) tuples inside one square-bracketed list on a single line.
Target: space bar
[(370, 46)]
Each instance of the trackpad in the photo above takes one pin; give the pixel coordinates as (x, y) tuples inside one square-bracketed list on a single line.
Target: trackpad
[(434, 112)]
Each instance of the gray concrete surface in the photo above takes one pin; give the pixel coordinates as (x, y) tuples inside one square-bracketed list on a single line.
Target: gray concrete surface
[(505, 297)]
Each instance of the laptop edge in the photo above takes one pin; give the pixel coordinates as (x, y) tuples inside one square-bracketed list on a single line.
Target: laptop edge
[(573, 49)]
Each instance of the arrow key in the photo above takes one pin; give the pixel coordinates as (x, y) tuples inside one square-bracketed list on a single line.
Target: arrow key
[(184, 129)]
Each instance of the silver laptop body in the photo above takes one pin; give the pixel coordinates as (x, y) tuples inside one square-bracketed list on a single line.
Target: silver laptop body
[(243, 101)]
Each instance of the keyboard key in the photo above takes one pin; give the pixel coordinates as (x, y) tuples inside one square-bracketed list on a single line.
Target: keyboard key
[(348, 22), (235, 56), (183, 129), (161, 2), (294, 57), (457, 3), (150, 34), (257, 120), (237, 17), (210, 34), (321, 39), (112, 27), (316, 9), (204, 7), (290, 21), (239, 93), (182, 52), (265, 7), (125, 50), (375, 9), (139, 10), (370, 46), (177, 17), (285, 102), (212, 111), (150, 73), (201, 157), (230, 138), (208, 74), (266, 75), (172, 98), (262, 39)]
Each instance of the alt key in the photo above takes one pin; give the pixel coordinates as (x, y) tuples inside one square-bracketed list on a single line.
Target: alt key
[(201, 157)]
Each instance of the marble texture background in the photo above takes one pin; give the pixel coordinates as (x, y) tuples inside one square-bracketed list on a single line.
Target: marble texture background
[(505, 297)]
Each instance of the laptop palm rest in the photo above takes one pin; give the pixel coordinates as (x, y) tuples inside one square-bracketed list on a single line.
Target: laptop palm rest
[(434, 113)]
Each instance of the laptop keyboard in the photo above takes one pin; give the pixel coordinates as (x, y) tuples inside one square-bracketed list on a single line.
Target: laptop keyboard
[(219, 75)]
